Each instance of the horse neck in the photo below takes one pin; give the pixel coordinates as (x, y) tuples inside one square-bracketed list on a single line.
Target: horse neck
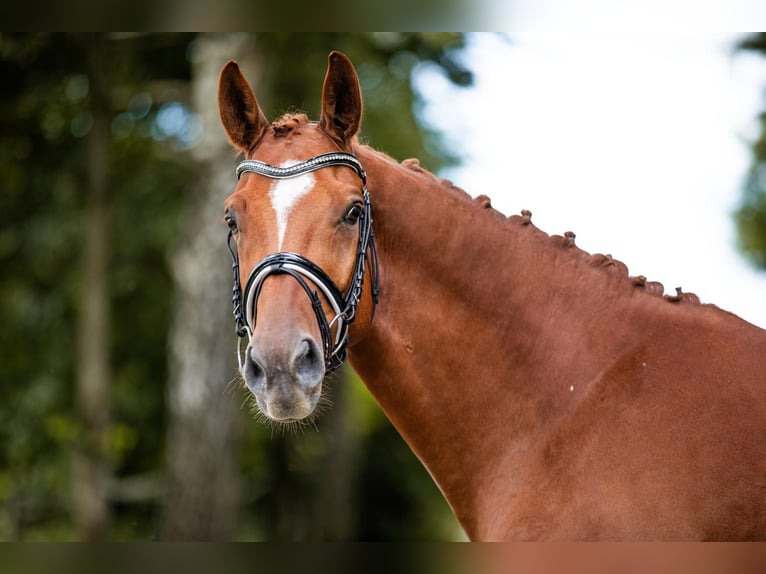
[(469, 350)]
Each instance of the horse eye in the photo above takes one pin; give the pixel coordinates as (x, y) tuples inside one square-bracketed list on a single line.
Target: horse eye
[(353, 214), (230, 221)]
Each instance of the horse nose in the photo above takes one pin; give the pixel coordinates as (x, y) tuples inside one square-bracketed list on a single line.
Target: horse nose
[(286, 380), (305, 364), (308, 363)]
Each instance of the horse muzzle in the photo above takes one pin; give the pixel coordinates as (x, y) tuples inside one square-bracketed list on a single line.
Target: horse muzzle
[(284, 371)]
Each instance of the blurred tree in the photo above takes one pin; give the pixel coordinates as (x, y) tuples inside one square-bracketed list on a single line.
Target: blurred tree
[(91, 466), (751, 215), (38, 239), (49, 122), (202, 490)]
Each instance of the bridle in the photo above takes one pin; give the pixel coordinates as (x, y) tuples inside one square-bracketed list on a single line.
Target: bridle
[(305, 272)]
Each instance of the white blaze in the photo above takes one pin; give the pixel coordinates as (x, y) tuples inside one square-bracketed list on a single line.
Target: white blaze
[(284, 194)]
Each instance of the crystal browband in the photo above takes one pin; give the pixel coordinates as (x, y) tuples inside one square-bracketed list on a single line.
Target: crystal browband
[(332, 158)]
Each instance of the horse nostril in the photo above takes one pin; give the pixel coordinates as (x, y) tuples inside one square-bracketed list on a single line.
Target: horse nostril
[(254, 373), (308, 362)]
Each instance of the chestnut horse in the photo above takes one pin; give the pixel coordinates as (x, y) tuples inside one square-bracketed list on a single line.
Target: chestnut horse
[(549, 394)]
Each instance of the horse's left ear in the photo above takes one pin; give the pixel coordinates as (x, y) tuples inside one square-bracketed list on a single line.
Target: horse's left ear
[(341, 100)]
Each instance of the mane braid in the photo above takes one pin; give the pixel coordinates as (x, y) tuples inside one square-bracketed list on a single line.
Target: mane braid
[(567, 241)]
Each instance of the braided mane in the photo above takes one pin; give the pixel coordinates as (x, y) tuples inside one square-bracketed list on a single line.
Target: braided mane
[(566, 241)]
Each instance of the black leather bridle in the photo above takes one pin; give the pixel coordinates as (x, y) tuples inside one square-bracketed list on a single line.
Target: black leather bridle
[(305, 272)]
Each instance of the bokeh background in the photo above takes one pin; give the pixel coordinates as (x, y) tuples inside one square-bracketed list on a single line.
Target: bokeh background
[(122, 415)]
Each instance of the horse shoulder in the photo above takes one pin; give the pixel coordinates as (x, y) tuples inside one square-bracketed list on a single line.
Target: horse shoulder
[(650, 448)]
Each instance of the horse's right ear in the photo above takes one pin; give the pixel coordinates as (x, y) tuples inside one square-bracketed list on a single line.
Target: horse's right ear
[(241, 116)]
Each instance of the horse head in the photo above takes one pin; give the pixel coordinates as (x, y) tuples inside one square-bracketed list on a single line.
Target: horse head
[(300, 233)]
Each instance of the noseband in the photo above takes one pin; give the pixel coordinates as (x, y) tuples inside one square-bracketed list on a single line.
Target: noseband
[(305, 272)]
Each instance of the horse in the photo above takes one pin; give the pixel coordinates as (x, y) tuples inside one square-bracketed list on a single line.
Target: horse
[(550, 395)]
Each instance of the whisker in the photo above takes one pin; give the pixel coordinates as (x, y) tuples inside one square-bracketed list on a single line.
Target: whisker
[(235, 384)]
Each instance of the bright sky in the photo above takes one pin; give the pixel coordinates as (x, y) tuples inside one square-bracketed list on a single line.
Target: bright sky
[(637, 142)]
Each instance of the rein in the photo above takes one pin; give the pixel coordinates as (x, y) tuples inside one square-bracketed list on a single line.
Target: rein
[(306, 272)]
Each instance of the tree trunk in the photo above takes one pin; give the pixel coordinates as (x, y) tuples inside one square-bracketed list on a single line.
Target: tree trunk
[(336, 502), (202, 483), (90, 464)]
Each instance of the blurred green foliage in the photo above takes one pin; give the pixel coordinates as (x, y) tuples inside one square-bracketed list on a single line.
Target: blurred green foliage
[(45, 119), (751, 215)]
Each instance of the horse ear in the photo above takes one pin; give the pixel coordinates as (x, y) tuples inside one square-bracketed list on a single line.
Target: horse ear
[(241, 116), (341, 100)]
